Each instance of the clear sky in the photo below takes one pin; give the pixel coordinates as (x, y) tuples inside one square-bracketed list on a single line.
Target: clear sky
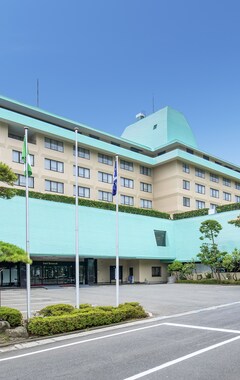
[(100, 62)]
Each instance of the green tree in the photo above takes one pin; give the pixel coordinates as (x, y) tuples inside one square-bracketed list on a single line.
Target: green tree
[(210, 254), (231, 262), (7, 177), (175, 267), (210, 229), (12, 253), (188, 269), (236, 222)]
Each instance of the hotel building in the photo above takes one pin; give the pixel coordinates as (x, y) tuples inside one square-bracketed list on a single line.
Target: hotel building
[(160, 168)]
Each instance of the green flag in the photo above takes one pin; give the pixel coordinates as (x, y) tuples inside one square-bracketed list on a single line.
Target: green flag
[(26, 159)]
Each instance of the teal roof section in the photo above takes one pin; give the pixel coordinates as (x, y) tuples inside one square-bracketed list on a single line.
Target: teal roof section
[(161, 128)]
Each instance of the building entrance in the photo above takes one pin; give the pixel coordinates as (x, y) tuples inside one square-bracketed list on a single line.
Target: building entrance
[(63, 273)]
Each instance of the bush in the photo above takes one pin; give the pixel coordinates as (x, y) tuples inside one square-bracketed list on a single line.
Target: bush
[(56, 310), (209, 281), (12, 316), (84, 318)]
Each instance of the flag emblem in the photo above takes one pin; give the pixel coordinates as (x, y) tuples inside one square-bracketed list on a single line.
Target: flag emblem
[(26, 159), (114, 188)]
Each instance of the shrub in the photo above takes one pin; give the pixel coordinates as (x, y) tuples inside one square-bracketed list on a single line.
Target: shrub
[(12, 316), (84, 318), (55, 310)]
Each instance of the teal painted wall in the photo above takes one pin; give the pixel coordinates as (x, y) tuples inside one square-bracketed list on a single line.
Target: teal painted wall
[(52, 231)]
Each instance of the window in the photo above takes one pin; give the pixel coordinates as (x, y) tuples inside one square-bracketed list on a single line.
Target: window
[(206, 157), (105, 177), (199, 188), (188, 150), (17, 157), (237, 198), (126, 200), (126, 165), (214, 193), (214, 177), (186, 185), (227, 196), (156, 271), (53, 144), (53, 165), (186, 202), (82, 153), (160, 237), (145, 203), (104, 159), (145, 171), (186, 168), (200, 204), (126, 182), (21, 181), (237, 185), (147, 187), (83, 192), (105, 196), (55, 187), (226, 182), (82, 172), (199, 173)]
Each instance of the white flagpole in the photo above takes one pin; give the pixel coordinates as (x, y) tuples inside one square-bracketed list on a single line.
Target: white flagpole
[(117, 241), (28, 275), (76, 220)]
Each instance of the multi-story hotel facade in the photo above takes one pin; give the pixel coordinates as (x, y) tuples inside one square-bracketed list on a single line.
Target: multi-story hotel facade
[(160, 168)]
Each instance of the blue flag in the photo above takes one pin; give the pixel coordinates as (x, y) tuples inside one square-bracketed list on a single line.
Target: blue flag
[(114, 188)]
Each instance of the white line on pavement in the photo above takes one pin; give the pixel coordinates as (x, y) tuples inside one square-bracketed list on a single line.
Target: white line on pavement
[(81, 342), (186, 357), (203, 328)]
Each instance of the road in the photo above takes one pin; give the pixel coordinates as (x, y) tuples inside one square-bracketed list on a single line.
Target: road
[(195, 344)]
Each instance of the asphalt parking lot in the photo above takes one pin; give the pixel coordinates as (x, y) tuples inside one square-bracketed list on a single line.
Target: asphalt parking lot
[(194, 334), (160, 299)]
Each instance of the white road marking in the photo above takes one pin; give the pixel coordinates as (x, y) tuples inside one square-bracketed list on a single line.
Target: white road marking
[(203, 328), (81, 342), (176, 361)]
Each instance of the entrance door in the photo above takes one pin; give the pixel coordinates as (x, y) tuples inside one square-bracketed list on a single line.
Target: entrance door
[(113, 273), (50, 274)]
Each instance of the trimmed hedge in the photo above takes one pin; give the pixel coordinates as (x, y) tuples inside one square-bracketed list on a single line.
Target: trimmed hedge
[(12, 316), (230, 207), (96, 204), (208, 281), (55, 310), (190, 214), (85, 318)]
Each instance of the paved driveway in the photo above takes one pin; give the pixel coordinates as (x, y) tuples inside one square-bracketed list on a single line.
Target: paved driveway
[(160, 300)]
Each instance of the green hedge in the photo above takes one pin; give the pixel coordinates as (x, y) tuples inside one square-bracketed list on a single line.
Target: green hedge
[(84, 318), (12, 316), (190, 214), (209, 281), (230, 207), (96, 204), (55, 310)]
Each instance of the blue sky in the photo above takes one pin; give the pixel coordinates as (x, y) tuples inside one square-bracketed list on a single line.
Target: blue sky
[(100, 62)]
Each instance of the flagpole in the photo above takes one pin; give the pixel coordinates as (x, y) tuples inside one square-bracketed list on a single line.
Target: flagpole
[(76, 220), (117, 240), (28, 275)]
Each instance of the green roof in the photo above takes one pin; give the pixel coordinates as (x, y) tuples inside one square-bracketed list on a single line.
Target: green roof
[(161, 128)]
